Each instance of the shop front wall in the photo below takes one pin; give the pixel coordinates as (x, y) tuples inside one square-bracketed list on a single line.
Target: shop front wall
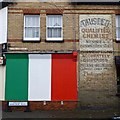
[(40, 77)]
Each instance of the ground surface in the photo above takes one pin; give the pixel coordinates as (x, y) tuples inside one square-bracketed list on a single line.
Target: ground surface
[(78, 113)]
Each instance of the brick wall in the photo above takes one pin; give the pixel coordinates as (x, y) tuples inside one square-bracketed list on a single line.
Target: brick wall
[(55, 105), (70, 20), (91, 92)]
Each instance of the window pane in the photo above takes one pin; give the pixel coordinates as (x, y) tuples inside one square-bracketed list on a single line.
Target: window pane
[(32, 21), (57, 21), (28, 32), (54, 32), (32, 32), (49, 32), (118, 32), (50, 21), (36, 32), (60, 20), (54, 26), (54, 20), (118, 24), (32, 26)]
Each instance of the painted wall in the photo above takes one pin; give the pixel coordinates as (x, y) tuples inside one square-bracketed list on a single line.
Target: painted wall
[(2, 82), (3, 25), (97, 73)]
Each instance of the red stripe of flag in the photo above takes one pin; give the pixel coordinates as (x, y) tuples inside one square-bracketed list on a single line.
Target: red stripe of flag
[(64, 78)]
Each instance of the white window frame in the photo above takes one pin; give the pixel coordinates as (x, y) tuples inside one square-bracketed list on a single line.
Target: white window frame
[(117, 26), (54, 38), (31, 39)]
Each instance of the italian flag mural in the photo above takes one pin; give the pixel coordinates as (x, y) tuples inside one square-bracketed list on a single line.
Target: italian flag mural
[(39, 77)]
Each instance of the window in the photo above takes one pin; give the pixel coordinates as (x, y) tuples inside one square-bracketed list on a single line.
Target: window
[(54, 28), (117, 62), (31, 28), (118, 27)]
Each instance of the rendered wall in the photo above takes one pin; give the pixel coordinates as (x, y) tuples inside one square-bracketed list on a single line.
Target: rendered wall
[(2, 82)]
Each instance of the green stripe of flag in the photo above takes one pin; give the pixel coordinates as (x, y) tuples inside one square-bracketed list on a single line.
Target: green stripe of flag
[(16, 77)]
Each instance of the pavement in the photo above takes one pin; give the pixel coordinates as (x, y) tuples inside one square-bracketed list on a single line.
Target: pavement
[(86, 113), (0, 110)]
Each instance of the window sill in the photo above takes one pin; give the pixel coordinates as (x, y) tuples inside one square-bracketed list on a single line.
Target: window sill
[(31, 40), (54, 39)]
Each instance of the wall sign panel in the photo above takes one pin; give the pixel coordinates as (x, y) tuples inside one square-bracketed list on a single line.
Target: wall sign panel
[(96, 70), (96, 33)]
